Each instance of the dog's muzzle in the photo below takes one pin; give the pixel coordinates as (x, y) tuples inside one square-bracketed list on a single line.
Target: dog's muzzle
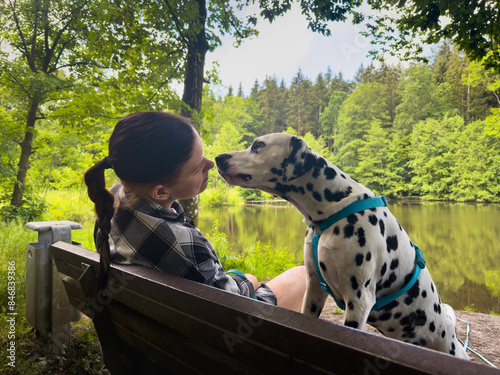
[(222, 164), (223, 167)]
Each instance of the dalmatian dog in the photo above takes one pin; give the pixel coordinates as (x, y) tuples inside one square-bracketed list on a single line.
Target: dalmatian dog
[(362, 257)]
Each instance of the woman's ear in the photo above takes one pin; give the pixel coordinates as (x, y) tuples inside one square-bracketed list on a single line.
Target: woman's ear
[(159, 193)]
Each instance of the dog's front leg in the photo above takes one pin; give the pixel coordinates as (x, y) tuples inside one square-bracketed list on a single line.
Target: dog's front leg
[(315, 297)]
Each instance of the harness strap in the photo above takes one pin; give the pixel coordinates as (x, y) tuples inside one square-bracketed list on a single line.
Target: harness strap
[(349, 210)]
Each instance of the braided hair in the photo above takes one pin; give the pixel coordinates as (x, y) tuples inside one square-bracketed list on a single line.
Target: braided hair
[(145, 149)]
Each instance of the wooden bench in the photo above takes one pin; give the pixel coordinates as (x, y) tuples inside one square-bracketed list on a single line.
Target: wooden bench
[(190, 328)]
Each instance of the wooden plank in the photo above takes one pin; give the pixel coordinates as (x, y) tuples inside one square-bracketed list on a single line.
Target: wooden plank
[(179, 321)]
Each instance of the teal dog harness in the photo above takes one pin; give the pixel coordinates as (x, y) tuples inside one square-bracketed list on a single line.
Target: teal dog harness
[(353, 208)]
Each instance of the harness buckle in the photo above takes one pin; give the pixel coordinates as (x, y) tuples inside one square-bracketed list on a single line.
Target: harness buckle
[(420, 257)]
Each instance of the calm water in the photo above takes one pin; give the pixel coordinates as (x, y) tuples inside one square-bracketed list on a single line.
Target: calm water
[(461, 243)]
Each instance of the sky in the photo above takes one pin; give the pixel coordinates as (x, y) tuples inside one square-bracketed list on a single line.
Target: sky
[(287, 45)]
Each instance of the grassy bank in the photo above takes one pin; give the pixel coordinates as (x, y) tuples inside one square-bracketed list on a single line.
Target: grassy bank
[(33, 355)]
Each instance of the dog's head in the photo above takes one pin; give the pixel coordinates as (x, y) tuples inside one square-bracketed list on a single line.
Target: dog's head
[(272, 162)]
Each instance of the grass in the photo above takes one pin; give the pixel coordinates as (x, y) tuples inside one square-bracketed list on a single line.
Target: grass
[(34, 355)]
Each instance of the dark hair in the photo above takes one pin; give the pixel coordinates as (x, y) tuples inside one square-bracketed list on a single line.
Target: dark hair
[(145, 149)]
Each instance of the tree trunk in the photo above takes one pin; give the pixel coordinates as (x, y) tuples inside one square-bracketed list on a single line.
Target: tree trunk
[(193, 84), (26, 151)]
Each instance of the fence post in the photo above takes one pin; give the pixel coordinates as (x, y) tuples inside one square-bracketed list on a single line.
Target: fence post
[(47, 306)]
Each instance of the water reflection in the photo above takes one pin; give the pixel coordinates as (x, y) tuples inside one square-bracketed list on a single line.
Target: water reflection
[(461, 243)]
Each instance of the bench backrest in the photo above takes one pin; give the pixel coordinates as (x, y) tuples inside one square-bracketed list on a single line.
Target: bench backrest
[(187, 327)]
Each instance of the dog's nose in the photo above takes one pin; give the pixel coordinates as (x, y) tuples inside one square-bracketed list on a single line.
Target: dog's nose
[(221, 159)]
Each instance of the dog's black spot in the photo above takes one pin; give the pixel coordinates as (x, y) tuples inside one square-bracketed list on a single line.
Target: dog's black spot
[(352, 219), (343, 176), (301, 168), (394, 264), (453, 346), (365, 196), (400, 228), (361, 237), (367, 282), (382, 227), (336, 196), (320, 213), (424, 294), (423, 342), (421, 318), (397, 315), (412, 294), (348, 231), (443, 334), (336, 230), (279, 172), (368, 256), (386, 315), (392, 278), (322, 265), (307, 231), (354, 282), (330, 173), (309, 187), (284, 189), (358, 294), (352, 323), (452, 352), (350, 306), (374, 209), (272, 180), (385, 214), (432, 287), (408, 278), (372, 318), (316, 172), (317, 196), (392, 243), (437, 308), (410, 335), (302, 191), (313, 307), (359, 259), (373, 219), (390, 305), (383, 269), (432, 327), (391, 329)]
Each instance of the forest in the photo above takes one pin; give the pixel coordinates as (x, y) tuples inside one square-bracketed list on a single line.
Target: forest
[(70, 70), (428, 131)]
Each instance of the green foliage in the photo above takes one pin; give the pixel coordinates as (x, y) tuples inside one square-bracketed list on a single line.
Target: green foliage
[(32, 208), (263, 261), (267, 261)]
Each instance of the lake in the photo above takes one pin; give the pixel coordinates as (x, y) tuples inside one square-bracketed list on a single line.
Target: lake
[(461, 242)]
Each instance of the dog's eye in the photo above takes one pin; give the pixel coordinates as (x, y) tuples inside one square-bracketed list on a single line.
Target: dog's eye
[(256, 146)]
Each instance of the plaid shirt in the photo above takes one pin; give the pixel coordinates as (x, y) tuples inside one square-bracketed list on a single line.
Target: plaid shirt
[(152, 236)]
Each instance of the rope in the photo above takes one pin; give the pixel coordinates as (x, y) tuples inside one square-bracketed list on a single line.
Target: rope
[(466, 344)]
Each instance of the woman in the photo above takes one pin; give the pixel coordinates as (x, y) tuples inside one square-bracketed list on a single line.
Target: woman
[(158, 158)]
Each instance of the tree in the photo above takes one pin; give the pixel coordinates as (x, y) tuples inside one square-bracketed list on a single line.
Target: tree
[(49, 42), (402, 27), (420, 99), (329, 117), (300, 110), (364, 106)]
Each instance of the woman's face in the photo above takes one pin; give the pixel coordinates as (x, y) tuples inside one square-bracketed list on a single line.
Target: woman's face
[(193, 177)]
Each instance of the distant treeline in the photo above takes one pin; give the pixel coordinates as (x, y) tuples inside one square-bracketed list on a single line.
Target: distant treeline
[(429, 130)]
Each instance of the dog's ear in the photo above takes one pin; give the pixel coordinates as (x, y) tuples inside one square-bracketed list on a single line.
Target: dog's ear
[(300, 160)]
